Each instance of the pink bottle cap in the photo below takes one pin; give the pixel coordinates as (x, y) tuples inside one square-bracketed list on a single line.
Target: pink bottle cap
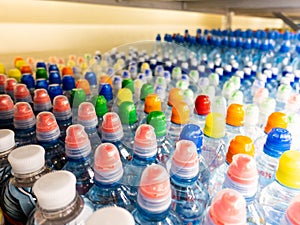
[(46, 127), (10, 84), (293, 210), (87, 115), (154, 193), (228, 207), (22, 93), (61, 108), (185, 161), (23, 116), (111, 129), (145, 144), (107, 165), (6, 107), (260, 95), (41, 100)]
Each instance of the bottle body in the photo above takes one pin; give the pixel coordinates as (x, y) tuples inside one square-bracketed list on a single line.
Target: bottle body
[(129, 133), (63, 125), (94, 138), (25, 136), (165, 150), (217, 179), (125, 153), (255, 212)]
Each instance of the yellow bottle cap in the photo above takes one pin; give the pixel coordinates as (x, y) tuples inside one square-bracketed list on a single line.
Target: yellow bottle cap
[(276, 120), (214, 125), (175, 95), (2, 69), (235, 115), (124, 95), (152, 103), (145, 66), (240, 145), (71, 63), (15, 73), (180, 113), (288, 172)]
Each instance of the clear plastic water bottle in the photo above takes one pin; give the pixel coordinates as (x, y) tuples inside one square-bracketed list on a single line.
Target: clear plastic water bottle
[(28, 165), (128, 116), (145, 91), (101, 108), (10, 84), (227, 207), (175, 95), (47, 135), (78, 96), (58, 202), (266, 108), (201, 110), (276, 197), (152, 103), (242, 176), (112, 132), (251, 127), (235, 119), (219, 105), (154, 198), (144, 154), (79, 157), (22, 94), (68, 83), (92, 79), (278, 141), (239, 145), (108, 188), (6, 112), (291, 216), (88, 119), (107, 91), (184, 174), (41, 101), (24, 123)]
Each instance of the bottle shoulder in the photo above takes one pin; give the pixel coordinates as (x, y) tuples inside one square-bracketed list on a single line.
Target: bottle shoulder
[(171, 219)]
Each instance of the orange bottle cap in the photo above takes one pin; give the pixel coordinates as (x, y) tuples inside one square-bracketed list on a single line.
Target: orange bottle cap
[(45, 122), (83, 84), (152, 103), (235, 115), (25, 69), (276, 120), (175, 95), (105, 79), (67, 71), (180, 113), (41, 96), (23, 111)]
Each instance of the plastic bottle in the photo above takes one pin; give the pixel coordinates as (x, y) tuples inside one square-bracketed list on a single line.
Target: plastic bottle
[(278, 141), (184, 174), (22, 94), (112, 132), (251, 127), (144, 154), (88, 119), (265, 109), (276, 197), (235, 119), (239, 145), (242, 176), (228, 207), (10, 84), (106, 90), (24, 123), (124, 94), (92, 79), (68, 83), (214, 141), (41, 101), (47, 135), (6, 112), (292, 213), (283, 93), (201, 110), (28, 165), (175, 95), (58, 202), (154, 198), (78, 96), (79, 157), (108, 188), (100, 108), (219, 105)]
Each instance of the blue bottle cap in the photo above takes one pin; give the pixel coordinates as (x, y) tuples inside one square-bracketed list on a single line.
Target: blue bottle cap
[(106, 90), (41, 65), (68, 83), (285, 47), (53, 67), (193, 133), (158, 37), (28, 80), (110, 71), (286, 35), (125, 74), (41, 83), (264, 45), (54, 90), (91, 78), (54, 77), (278, 141), (249, 33)]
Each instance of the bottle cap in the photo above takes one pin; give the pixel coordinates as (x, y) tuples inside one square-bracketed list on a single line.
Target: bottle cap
[(41, 83), (124, 94), (41, 73), (176, 73), (87, 115), (145, 144), (202, 105), (27, 159), (157, 120), (6, 107), (53, 67), (128, 83), (175, 95), (2, 68), (68, 83), (152, 103), (144, 66), (218, 105), (15, 73), (228, 207), (194, 75), (192, 132), (67, 71), (292, 213), (22, 94), (125, 74), (240, 145), (235, 115), (41, 65), (7, 140), (214, 125), (84, 85), (28, 80), (289, 169), (41, 100), (46, 127), (127, 113), (107, 165), (154, 193), (55, 190), (185, 161), (180, 113), (101, 106), (61, 108), (10, 84), (146, 90), (77, 97), (91, 78), (228, 89), (23, 116), (251, 115), (54, 90), (111, 129), (278, 141), (77, 143), (214, 79), (106, 90), (2, 79), (267, 106), (276, 119)]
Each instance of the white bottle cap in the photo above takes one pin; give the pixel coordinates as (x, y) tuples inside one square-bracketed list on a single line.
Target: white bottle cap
[(268, 66), (110, 216), (184, 65), (55, 190), (27, 159), (240, 74), (297, 73), (219, 71), (7, 140), (268, 73), (247, 71), (275, 70), (201, 68), (210, 65)]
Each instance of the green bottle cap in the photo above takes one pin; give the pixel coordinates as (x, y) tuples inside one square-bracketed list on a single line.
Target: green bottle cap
[(100, 106), (127, 113), (41, 73), (146, 90), (128, 83), (157, 119), (77, 97)]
